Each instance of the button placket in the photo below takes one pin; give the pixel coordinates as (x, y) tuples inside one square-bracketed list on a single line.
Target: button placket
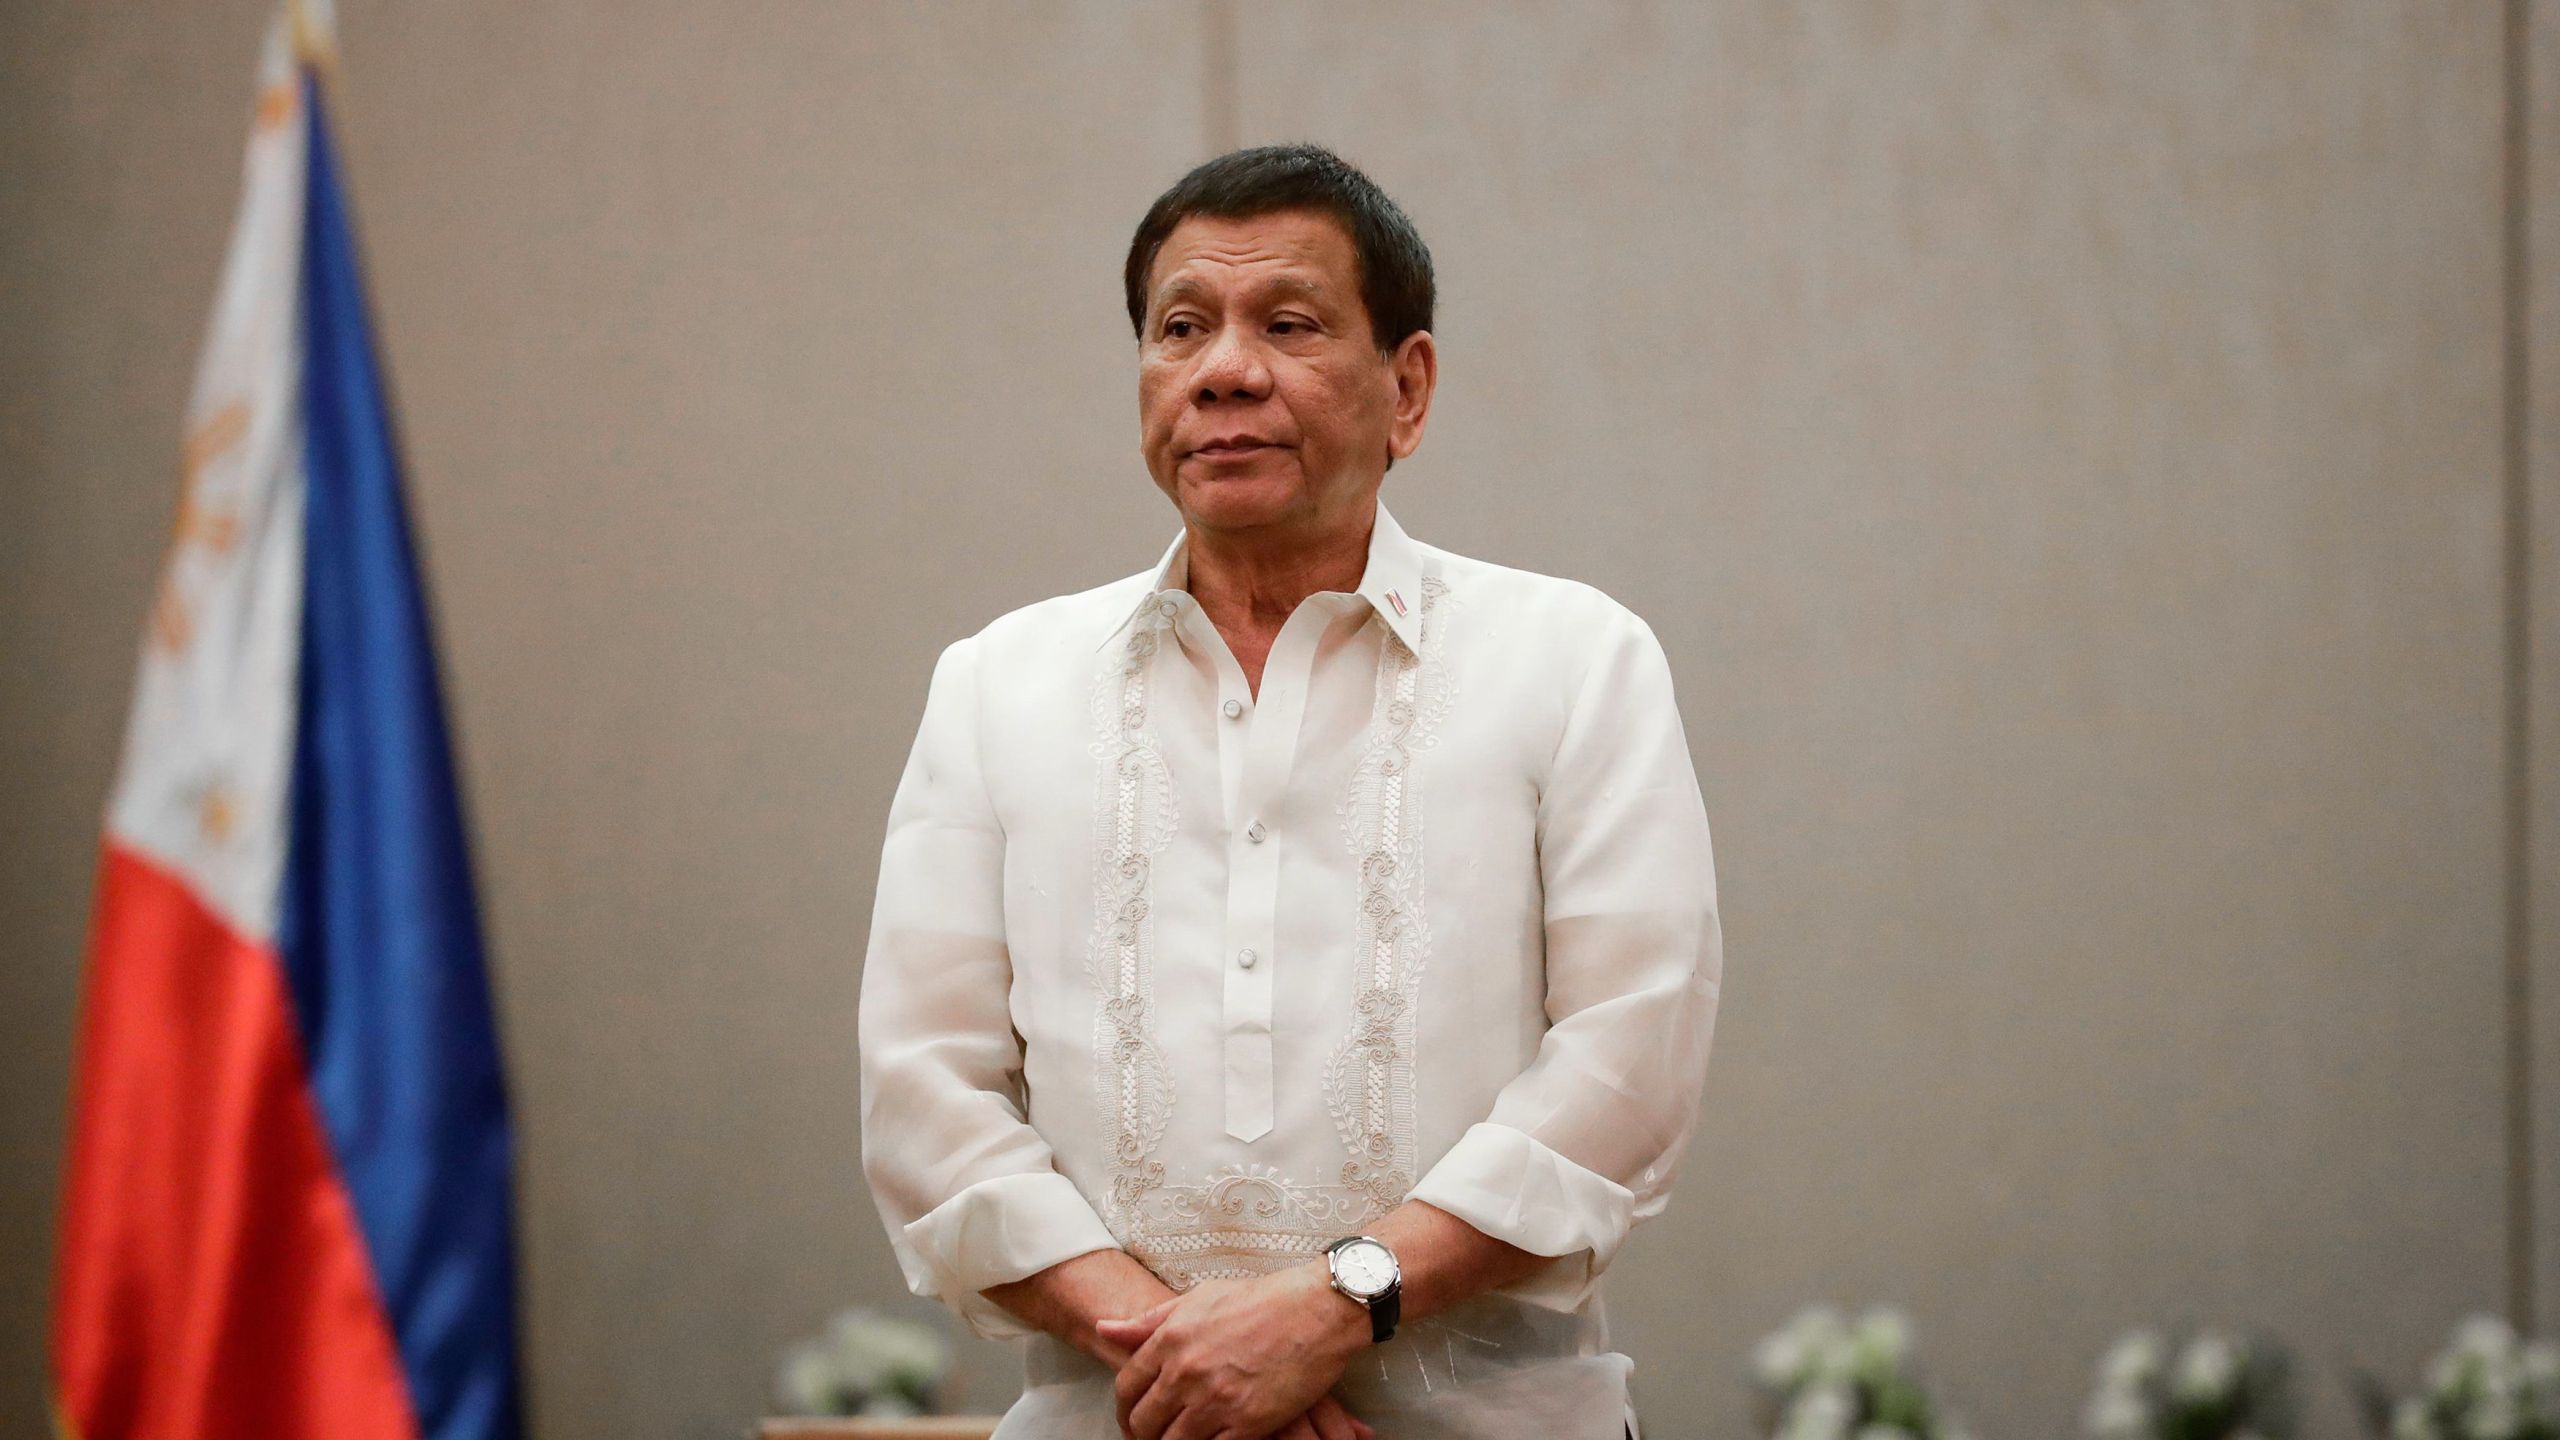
[(1253, 872), (1231, 739)]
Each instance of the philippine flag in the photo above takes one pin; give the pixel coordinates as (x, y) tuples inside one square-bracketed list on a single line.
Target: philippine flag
[(286, 1200)]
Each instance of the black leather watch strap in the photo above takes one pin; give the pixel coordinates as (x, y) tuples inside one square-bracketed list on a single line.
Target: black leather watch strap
[(1382, 1314)]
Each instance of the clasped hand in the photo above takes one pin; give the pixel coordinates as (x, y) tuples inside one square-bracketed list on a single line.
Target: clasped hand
[(1241, 1360)]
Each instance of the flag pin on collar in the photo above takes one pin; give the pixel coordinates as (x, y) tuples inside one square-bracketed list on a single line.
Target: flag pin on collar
[(1397, 601)]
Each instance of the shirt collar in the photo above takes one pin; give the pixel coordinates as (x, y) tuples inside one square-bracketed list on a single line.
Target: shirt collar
[(1392, 582)]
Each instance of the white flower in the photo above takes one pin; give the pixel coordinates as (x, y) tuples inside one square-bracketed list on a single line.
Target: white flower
[(1777, 1358), (2494, 1416), (2445, 1374), (1884, 1334), (1800, 1350), (2486, 1336), (2409, 1419), (1835, 1354), (2207, 1369), (806, 1382), (2135, 1357), (1822, 1412), (874, 1352), (2503, 1378), (2117, 1412), (916, 1351)]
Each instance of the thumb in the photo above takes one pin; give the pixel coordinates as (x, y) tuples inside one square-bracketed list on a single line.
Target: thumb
[(1138, 1326)]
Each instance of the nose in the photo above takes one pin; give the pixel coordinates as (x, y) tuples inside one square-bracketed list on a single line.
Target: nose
[(1230, 368)]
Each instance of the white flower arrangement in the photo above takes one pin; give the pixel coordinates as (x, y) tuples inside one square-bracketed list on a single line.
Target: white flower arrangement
[(1824, 1378), (866, 1363), (2210, 1384), (2486, 1384)]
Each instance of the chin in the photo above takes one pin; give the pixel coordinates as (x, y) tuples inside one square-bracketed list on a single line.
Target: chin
[(1234, 501)]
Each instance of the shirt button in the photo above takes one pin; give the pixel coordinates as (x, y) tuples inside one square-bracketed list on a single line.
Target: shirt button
[(1233, 708), (1169, 605), (1245, 959), (1254, 832)]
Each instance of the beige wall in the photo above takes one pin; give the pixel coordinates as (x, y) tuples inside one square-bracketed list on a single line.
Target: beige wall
[(2065, 452)]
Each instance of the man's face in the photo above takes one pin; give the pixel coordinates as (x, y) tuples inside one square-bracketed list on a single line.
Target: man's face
[(1262, 397)]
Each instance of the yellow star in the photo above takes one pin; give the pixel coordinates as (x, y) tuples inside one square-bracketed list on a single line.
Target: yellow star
[(171, 626), (214, 813)]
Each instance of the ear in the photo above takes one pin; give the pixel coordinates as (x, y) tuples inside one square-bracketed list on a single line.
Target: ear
[(1414, 370)]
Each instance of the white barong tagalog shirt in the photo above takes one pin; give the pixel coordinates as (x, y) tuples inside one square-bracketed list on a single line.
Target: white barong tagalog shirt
[(1215, 978)]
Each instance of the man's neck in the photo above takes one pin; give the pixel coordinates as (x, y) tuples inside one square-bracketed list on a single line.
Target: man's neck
[(1250, 582)]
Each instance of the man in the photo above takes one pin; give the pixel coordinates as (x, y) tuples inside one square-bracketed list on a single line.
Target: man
[(1294, 966)]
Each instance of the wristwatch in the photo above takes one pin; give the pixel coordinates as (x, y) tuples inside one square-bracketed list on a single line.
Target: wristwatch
[(1363, 1268)]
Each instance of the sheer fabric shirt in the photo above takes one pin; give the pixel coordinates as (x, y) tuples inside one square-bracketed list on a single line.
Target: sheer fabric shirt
[(1161, 964)]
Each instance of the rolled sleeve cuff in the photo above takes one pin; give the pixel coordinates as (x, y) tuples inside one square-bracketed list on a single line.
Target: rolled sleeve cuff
[(995, 1232), (1504, 1182)]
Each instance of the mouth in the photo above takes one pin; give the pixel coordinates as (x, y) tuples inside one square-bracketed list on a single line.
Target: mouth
[(1233, 448)]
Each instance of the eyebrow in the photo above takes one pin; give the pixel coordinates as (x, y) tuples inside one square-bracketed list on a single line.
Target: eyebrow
[(1284, 287)]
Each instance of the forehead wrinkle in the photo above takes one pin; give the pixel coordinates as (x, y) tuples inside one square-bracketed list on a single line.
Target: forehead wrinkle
[(1300, 244), (1277, 287)]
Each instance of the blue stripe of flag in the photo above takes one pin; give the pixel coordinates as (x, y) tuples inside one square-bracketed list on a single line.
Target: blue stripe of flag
[(379, 925)]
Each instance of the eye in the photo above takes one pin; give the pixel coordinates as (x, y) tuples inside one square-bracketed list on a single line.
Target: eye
[(1290, 325), (1178, 329)]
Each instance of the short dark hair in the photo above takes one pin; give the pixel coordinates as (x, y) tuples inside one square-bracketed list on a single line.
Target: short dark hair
[(1395, 266)]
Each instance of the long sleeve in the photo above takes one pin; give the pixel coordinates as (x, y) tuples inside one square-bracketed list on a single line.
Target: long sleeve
[(967, 1188), (1586, 1141)]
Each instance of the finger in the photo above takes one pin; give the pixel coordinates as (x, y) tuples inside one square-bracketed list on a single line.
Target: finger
[(1155, 1412), (1149, 1358), (1331, 1422), (1132, 1330), (1302, 1428), (1147, 1319), (1194, 1424), (1136, 1377), (1318, 1424)]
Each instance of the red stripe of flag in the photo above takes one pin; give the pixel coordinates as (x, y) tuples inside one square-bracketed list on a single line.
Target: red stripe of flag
[(207, 1245)]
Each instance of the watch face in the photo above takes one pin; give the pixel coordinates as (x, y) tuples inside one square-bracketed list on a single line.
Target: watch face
[(1366, 1268)]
